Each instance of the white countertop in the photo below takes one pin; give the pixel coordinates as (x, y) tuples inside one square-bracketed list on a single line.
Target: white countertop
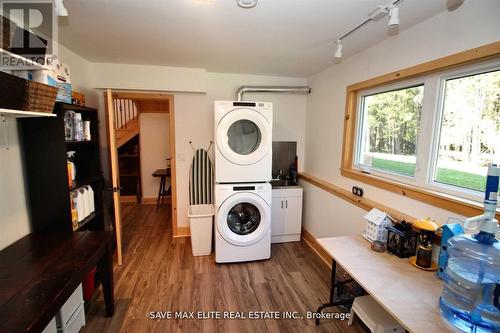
[(409, 294), (283, 187)]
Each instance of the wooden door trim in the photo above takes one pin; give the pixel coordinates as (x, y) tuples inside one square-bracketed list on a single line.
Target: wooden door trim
[(142, 96), (176, 231), (116, 172), (173, 166)]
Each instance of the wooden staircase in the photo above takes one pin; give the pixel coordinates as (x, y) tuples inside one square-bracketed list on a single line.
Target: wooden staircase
[(127, 132), (126, 120)]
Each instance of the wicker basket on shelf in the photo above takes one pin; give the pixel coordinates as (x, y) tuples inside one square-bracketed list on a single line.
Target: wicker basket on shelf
[(21, 94), (40, 97), (8, 29), (6, 33)]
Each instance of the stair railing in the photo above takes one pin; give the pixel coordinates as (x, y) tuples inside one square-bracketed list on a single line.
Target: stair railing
[(125, 111)]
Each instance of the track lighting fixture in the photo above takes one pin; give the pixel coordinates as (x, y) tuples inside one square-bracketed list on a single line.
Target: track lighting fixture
[(59, 8), (338, 51), (246, 3), (375, 15), (394, 17)]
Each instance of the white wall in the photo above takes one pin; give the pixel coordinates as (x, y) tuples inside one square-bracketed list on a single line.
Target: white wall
[(194, 97), (80, 74), (474, 24), (289, 110), (194, 121), (143, 77), (155, 149), (14, 217)]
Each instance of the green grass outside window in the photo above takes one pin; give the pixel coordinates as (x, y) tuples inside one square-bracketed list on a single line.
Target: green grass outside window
[(446, 176)]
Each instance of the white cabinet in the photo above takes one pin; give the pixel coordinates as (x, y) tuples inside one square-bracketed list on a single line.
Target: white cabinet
[(51, 327), (71, 317), (277, 216), (286, 214)]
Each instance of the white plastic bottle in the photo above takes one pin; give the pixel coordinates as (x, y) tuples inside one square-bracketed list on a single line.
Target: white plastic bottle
[(84, 195), (68, 125), (78, 204), (89, 197), (77, 127)]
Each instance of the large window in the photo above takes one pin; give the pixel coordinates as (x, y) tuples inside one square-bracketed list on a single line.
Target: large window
[(438, 131), (390, 129), (470, 130)]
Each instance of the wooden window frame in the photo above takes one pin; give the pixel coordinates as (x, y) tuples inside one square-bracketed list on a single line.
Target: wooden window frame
[(442, 200)]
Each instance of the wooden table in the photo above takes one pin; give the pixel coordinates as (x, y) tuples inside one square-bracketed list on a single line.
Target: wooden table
[(39, 272), (409, 294), (162, 192)]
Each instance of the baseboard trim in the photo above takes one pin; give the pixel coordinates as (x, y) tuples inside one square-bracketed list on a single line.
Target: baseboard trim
[(285, 238), (154, 200), (314, 245), (182, 232), (128, 199)]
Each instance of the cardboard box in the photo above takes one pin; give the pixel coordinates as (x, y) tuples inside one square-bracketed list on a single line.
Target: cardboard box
[(58, 76)]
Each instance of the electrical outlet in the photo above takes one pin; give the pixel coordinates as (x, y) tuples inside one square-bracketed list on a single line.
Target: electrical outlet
[(357, 191)]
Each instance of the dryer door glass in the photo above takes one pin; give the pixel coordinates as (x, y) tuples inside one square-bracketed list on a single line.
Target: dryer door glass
[(243, 218), (244, 137)]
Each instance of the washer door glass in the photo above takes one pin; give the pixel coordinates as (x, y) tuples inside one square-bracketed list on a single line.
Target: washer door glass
[(244, 218), (244, 137)]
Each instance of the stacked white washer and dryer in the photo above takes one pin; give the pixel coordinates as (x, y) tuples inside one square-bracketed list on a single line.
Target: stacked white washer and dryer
[(243, 166)]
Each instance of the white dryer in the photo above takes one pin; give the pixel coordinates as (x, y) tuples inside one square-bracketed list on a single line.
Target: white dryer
[(243, 141), (242, 222)]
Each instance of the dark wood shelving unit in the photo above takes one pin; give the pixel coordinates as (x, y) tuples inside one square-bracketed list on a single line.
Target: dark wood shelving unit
[(45, 161), (83, 182), (129, 161), (89, 219), (91, 142)]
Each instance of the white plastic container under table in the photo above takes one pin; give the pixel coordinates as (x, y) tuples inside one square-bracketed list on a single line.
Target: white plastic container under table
[(69, 308), (75, 323), (51, 327), (374, 316), (200, 221)]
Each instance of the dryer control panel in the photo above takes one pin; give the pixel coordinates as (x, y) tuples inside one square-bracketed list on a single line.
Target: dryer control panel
[(243, 188), (251, 104)]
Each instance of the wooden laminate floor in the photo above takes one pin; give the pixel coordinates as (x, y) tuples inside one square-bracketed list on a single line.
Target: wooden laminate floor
[(160, 274)]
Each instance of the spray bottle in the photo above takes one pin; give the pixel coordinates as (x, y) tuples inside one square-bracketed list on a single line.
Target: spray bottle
[(71, 167)]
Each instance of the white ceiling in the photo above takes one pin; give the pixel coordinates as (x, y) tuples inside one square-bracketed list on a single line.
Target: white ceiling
[(278, 37)]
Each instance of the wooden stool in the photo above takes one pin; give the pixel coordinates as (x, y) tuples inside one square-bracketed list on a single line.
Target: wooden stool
[(162, 192)]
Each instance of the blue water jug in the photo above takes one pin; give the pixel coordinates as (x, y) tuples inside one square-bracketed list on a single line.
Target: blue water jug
[(471, 279), (471, 283)]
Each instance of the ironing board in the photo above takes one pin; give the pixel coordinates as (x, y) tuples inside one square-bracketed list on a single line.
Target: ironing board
[(200, 179)]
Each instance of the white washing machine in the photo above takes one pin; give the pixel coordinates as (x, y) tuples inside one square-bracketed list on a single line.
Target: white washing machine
[(242, 222), (243, 141)]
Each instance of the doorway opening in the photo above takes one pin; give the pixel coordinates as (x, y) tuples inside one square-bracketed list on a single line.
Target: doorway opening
[(142, 146)]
